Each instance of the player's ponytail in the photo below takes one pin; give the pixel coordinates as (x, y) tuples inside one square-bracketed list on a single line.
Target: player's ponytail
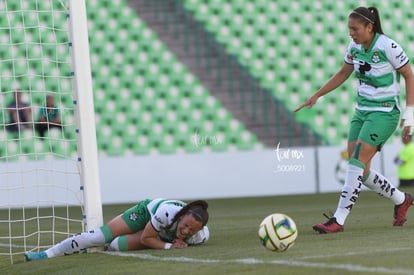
[(377, 21), (198, 209), (367, 16)]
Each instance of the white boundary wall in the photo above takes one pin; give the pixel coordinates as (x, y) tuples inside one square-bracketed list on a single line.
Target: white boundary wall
[(222, 175)]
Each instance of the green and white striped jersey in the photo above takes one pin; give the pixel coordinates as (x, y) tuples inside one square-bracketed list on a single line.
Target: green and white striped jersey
[(376, 70), (162, 213)]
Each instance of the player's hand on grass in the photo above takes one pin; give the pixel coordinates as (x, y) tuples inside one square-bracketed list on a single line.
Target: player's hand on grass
[(178, 243)]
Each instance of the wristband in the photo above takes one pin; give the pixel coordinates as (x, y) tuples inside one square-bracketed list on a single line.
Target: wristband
[(167, 246), (409, 118)]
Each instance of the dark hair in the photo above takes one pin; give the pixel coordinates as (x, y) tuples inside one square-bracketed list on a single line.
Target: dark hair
[(198, 209), (368, 16)]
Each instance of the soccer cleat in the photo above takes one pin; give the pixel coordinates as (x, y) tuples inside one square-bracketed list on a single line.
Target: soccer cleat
[(331, 226), (34, 256), (400, 211)]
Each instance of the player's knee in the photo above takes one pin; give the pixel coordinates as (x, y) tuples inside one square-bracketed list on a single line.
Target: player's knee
[(92, 238), (119, 244), (113, 246), (356, 151), (364, 151)]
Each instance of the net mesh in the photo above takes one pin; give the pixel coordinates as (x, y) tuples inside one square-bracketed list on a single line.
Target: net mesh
[(40, 191)]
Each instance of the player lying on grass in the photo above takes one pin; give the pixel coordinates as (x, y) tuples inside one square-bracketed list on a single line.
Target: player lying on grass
[(377, 62), (156, 224)]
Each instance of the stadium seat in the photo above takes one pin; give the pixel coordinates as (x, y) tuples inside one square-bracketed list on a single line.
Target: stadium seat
[(290, 47), (138, 82), (303, 46)]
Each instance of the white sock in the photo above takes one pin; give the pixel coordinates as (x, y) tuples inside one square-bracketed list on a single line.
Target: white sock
[(378, 183), (77, 243), (114, 246), (350, 190)]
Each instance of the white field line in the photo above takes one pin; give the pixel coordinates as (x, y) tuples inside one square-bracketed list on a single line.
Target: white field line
[(252, 261), (299, 263), (355, 253)]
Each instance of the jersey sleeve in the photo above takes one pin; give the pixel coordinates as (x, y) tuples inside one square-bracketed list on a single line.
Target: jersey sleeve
[(200, 237), (161, 218), (348, 59), (396, 55)]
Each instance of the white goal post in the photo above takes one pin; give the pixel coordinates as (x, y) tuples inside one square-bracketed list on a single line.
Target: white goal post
[(87, 145), (49, 183)]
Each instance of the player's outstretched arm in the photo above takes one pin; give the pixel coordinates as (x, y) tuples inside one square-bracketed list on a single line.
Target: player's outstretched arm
[(334, 82), (150, 239)]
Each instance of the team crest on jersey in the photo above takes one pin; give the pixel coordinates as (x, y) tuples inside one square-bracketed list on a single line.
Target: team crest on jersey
[(375, 57), (133, 217)]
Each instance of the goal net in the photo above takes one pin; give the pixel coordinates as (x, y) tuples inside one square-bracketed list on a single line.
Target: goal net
[(49, 183)]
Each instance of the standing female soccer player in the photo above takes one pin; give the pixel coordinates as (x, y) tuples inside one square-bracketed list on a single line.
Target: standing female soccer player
[(157, 224), (378, 62)]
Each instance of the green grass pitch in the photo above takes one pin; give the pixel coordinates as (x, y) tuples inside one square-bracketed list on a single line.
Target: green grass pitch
[(369, 244)]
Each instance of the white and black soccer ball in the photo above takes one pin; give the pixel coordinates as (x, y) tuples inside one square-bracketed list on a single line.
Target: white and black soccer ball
[(278, 232)]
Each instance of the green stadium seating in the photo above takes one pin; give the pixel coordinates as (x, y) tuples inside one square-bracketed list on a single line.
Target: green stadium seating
[(147, 102), (292, 48)]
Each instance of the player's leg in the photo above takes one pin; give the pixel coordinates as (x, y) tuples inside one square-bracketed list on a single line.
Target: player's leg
[(136, 219), (371, 130), (402, 201), (127, 242), (94, 238), (352, 184), (385, 125), (360, 154), (378, 183), (130, 221), (358, 162)]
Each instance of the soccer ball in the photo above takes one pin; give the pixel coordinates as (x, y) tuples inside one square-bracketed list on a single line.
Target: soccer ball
[(277, 232)]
